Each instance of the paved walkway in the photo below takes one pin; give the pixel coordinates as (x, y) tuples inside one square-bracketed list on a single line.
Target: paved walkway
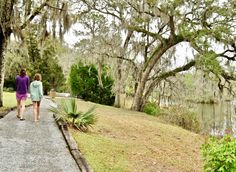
[(26, 146)]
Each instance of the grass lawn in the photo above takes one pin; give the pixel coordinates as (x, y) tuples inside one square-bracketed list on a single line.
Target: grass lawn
[(9, 99), (124, 140)]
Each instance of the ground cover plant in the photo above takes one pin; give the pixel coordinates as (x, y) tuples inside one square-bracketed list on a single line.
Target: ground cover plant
[(220, 154)]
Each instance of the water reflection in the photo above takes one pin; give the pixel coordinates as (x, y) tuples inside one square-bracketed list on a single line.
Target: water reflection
[(216, 119)]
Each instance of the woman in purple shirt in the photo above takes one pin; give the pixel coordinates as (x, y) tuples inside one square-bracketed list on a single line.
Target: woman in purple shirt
[(22, 86)]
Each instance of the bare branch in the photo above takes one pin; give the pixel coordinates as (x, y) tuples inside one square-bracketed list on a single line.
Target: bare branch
[(138, 29), (165, 75), (228, 76), (232, 51), (61, 9), (172, 26), (175, 71), (34, 14)]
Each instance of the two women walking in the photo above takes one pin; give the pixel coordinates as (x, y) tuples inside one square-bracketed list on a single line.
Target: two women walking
[(23, 86)]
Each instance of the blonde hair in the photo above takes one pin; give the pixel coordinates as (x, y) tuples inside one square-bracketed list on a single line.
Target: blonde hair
[(37, 77)]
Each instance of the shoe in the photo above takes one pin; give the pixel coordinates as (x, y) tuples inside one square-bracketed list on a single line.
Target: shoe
[(18, 116), (22, 119)]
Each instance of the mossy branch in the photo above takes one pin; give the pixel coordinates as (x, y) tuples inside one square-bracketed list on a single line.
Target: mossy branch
[(34, 14)]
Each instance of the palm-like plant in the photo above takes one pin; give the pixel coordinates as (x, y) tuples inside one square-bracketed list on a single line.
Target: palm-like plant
[(67, 111)]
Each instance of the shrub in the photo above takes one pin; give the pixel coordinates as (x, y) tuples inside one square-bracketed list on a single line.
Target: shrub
[(67, 111), (10, 83), (181, 117), (8, 89), (220, 154), (84, 84), (151, 108)]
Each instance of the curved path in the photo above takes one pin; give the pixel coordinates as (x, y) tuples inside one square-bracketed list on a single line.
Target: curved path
[(26, 146)]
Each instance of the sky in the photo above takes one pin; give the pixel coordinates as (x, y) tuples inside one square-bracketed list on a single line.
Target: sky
[(70, 38)]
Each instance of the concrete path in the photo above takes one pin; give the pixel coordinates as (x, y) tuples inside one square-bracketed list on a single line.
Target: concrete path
[(26, 146)]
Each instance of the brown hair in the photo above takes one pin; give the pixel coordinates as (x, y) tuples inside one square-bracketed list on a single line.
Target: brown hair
[(37, 77), (23, 72)]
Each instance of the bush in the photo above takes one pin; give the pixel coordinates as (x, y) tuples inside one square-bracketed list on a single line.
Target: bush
[(220, 154), (10, 83), (84, 84), (151, 108), (8, 89), (181, 117)]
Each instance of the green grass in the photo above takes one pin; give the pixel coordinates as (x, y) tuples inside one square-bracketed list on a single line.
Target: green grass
[(104, 149), (9, 99), (124, 140)]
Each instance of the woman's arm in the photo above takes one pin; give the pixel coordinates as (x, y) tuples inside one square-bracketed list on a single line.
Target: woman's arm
[(41, 90), (28, 83)]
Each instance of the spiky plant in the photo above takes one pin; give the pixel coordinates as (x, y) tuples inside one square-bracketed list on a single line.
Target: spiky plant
[(85, 120), (67, 111)]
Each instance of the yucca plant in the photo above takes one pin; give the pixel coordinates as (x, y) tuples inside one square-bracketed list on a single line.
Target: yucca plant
[(67, 111)]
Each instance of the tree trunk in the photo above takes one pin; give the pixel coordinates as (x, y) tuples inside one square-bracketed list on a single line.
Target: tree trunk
[(100, 70), (138, 97), (118, 89), (6, 13), (3, 44)]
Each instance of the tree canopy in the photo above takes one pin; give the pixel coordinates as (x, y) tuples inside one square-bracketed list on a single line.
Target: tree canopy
[(152, 31)]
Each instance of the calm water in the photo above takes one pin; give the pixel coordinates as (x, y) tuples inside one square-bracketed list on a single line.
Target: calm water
[(216, 119)]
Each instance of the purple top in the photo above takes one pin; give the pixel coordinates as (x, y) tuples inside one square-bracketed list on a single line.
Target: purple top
[(22, 84)]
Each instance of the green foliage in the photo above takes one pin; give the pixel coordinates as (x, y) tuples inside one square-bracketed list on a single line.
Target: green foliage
[(9, 83), (181, 117), (16, 57), (67, 111), (36, 59), (220, 154), (46, 63), (151, 108), (188, 80), (208, 62), (84, 84)]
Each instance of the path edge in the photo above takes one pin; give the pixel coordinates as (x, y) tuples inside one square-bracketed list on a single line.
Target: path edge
[(9, 109), (73, 148)]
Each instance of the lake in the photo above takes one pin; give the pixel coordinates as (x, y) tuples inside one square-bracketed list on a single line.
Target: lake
[(216, 119)]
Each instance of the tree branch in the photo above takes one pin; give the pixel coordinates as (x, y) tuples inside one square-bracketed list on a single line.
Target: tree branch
[(233, 51), (61, 9), (35, 13), (165, 75), (138, 29), (227, 76), (177, 70), (94, 7), (172, 26)]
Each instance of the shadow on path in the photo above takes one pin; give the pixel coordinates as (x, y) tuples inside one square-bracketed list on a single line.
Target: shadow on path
[(33, 146)]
